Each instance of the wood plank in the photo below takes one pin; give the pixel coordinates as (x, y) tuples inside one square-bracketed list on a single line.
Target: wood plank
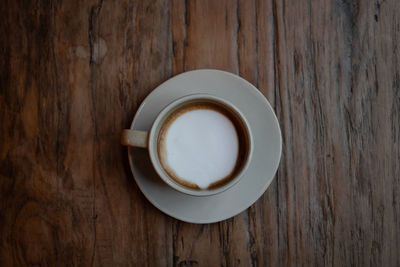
[(72, 76)]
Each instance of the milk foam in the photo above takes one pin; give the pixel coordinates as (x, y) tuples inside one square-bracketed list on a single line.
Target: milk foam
[(202, 147)]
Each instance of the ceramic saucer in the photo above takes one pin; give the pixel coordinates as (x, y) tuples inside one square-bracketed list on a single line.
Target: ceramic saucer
[(267, 147)]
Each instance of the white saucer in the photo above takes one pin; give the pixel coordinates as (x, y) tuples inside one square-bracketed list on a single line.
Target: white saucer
[(256, 179)]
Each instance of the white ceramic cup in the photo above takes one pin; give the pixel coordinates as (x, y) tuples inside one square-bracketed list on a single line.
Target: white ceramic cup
[(149, 140)]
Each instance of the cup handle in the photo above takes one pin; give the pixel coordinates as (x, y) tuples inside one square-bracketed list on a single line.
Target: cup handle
[(134, 138)]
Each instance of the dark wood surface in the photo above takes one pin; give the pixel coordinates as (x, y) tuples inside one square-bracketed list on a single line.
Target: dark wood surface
[(72, 74)]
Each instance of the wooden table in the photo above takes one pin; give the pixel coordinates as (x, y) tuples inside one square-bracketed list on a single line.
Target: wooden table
[(73, 73)]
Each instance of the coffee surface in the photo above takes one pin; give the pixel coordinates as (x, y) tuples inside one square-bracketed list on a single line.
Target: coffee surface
[(200, 147)]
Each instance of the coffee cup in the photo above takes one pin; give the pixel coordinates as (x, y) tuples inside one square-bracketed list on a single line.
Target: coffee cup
[(199, 144)]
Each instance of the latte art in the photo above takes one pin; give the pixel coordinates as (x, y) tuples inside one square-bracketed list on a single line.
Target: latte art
[(199, 146)]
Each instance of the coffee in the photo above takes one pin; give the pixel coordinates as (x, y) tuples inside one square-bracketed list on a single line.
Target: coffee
[(202, 145)]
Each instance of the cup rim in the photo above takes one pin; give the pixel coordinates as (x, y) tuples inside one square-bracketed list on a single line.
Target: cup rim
[(153, 146)]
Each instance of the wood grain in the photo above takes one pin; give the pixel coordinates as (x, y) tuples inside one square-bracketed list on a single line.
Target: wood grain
[(72, 76)]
